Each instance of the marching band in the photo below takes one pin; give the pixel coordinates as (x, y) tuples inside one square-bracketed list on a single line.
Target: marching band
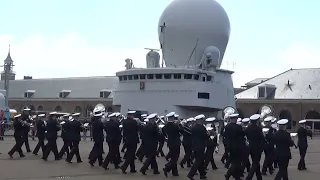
[(242, 138)]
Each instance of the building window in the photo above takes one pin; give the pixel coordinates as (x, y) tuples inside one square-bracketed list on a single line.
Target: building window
[(262, 92), (203, 95), (78, 109), (188, 76), (40, 108), (177, 76), (158, 76), (125, 78), (167, 76), (196, 77), (150, 76), (130, 77), (104, 94), (120, 78), (209, 78), (135, 77), (58, 109), (142, 76)]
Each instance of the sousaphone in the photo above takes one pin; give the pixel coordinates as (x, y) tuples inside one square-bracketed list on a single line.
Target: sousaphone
[(228, 111), (265, 111), (99, 107)]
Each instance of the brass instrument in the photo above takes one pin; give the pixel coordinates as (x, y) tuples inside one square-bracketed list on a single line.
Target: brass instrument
[(265, 111), (227, 111)]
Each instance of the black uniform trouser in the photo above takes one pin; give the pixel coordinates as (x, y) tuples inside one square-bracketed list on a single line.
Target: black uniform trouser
[(123, 149), (74, 151), (187, 154), (140, 152), (51, 146), (160, 148), (151, 160), (245, 162), (174, 157), (39, 145), (112, 155), (130, 156), (26, 141), (303, 152), (283, 169), (268, 161), (96, 153), (209, 158), (255, 168), (235, 159), (225, 155), (198, 164), (17, 146), (67, 144)]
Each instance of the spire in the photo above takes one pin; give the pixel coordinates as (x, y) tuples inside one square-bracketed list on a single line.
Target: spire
[(8, 59)]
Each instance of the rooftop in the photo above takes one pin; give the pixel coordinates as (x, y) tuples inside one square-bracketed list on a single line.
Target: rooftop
[(78, 87), (291, 84)]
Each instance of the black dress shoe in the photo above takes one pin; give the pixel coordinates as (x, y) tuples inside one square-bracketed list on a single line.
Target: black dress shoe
[(133, 171), (143, 172), (165, 172)]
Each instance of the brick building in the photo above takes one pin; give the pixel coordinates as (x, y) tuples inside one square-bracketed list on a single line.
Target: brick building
[(293, 94)]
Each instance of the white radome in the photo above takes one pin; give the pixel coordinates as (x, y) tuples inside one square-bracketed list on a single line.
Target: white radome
[(189, 21)]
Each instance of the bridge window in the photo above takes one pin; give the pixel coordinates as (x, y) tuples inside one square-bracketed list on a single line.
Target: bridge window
[(158, 76), (130, 77), (196, 77), (135, 77), (188, 76), (167, 76), (120, 78), (150, 76), (177, 76), (125, 78), (142, 76)]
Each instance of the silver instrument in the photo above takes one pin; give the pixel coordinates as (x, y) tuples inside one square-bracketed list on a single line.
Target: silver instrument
[(265, 111), (227, 111)]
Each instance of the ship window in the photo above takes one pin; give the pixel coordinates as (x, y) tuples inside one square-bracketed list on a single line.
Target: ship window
[(158, 76), (135, 77), (120, 78), (125, 78), (142, 76), (150, 76), (203, 79), (130, 77), (167, 76), (177, 76), (196, 76), (188, 76), (209, 78), (203, 95)]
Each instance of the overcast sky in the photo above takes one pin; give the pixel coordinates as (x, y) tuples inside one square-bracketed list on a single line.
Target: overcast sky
[(92, 38)]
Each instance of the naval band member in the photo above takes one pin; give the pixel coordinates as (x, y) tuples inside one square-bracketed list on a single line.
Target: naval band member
[(53, 127), (269, 148), (130, 128), (75, 136), (303, 133), (98, 138), (18, 133), (199, 142), (283, 143), (41, 134)]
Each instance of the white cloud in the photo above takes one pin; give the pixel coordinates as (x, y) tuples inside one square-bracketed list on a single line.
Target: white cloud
[(67, 56)]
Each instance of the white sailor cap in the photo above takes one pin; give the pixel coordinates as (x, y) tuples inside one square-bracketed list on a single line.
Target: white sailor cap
[(53, 113), (146, 120), (170, 114), (244, 120), (268, 119), (41, 115), (190, 119), (274, 120), (283, 121), (210, 119), (200, 116), (152, 116), (233, 115), (239, 121), (255, 117), (112, 115), (176, 115), (76, 114), (209, 128), (131, 112), (17, 116), (265, 130), (118, 114), (302, 121), (144, 115), (26, 109)]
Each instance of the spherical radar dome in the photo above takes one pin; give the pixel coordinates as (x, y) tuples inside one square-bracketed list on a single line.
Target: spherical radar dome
[(190, 27)]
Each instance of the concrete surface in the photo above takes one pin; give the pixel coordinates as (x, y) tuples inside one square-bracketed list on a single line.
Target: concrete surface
[(32, 167)]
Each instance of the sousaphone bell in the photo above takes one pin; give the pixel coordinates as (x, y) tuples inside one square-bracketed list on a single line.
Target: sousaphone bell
[(265, 111)]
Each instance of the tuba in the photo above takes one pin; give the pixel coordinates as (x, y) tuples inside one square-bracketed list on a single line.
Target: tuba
[(228, 111), (99, 107), (265, 111)]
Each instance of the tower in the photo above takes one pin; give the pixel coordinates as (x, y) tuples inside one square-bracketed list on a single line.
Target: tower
[(8, 72)]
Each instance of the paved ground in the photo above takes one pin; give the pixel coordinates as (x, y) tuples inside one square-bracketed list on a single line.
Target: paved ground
[(33, 168)]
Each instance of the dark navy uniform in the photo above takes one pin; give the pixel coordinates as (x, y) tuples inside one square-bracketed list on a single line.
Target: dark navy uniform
[(75, 136), (41, 134), (52, 134), (303, 133), (98, 138), (18, 133)]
